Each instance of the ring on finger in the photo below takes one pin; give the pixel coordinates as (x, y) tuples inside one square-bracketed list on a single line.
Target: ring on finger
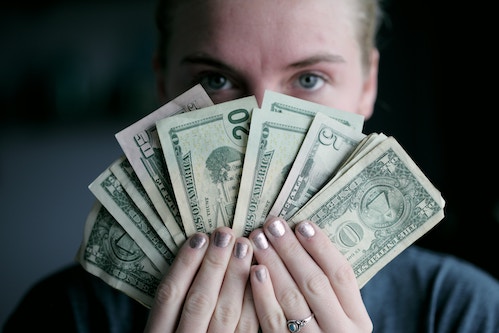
[(295, 326)]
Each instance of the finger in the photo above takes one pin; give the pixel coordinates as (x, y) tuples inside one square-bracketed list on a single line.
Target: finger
[(288, 294), (269, 311), (203, 294), (171, 291), (229, 306), (249, 319), (337, 268), (309, 277)]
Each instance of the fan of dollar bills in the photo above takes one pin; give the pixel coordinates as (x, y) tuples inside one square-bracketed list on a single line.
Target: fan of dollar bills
[(193, 166)]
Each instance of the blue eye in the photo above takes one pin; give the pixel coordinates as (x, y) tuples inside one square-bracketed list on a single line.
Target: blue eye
[(310, 81), (214, 82)]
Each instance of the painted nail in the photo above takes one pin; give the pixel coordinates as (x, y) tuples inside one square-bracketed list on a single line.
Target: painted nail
[(261, 241), (306, 230), (197, 241), (261, 274), (222, 239), (276, 228), (240, 250)]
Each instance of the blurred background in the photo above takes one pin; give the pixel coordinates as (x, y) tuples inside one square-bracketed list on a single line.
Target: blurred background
[(73, 73)]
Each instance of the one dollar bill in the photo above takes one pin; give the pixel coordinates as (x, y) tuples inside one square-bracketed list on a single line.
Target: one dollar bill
[(109, 253), (131, 183), (376, 209), (109, 191)]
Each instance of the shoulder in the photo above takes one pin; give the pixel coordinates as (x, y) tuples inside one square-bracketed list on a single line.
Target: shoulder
[(66, 284), (432, 289), (72, 299), (426, 267)]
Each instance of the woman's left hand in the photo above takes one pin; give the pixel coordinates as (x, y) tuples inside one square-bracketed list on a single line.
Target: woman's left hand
[(302, 276)]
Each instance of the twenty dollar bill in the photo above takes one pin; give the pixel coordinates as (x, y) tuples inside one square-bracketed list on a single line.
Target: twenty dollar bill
[(204, 152)]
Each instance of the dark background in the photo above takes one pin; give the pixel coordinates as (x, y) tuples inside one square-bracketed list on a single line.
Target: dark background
[(73, 73)]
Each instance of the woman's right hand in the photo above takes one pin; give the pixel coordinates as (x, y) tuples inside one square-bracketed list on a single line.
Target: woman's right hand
[(303, 277), (206, 289)]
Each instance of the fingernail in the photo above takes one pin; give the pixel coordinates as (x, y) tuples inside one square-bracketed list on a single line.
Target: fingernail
[(261, 274), (276, 228), (306, 230), (222, 239), (197, 241), (261, 241), (240, 250)]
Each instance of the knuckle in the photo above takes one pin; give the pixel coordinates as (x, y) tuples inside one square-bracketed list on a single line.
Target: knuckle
[(344, 274), (292, 249), (246, 325), (290, 297), (316, 284), (216, 262), (272, 322), (226, 315), (196, 304), (166, 292)]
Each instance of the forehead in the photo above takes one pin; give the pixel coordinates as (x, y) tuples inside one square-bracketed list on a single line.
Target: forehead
[(262, 27)]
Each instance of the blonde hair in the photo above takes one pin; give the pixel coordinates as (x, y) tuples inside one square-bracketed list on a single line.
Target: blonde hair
[(368, 23)]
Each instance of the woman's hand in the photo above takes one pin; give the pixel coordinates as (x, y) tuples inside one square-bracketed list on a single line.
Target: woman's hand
[(206, 289), (301, 275)]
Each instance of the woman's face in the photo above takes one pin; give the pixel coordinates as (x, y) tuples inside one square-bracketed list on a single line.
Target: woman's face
[(300, 48)]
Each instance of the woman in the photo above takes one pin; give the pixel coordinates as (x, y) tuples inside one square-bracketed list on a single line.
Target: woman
[(277, 279)]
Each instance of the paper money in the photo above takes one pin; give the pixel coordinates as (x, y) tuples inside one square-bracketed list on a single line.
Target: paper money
[(327, 144), (281, 103), (109, 253), (141, 146), (125, 174), (273, 143), (376, 209), (233, 164), (365, 146), (204, 152), (108, 190)]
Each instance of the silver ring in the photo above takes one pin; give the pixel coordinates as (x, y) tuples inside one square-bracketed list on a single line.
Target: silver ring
[(295, 326)]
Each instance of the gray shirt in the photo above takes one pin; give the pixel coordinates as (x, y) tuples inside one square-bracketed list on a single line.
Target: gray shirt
[(419, 291)]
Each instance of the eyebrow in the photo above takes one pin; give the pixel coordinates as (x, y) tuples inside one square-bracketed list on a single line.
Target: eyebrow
[(332, 58), (202, 58)]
